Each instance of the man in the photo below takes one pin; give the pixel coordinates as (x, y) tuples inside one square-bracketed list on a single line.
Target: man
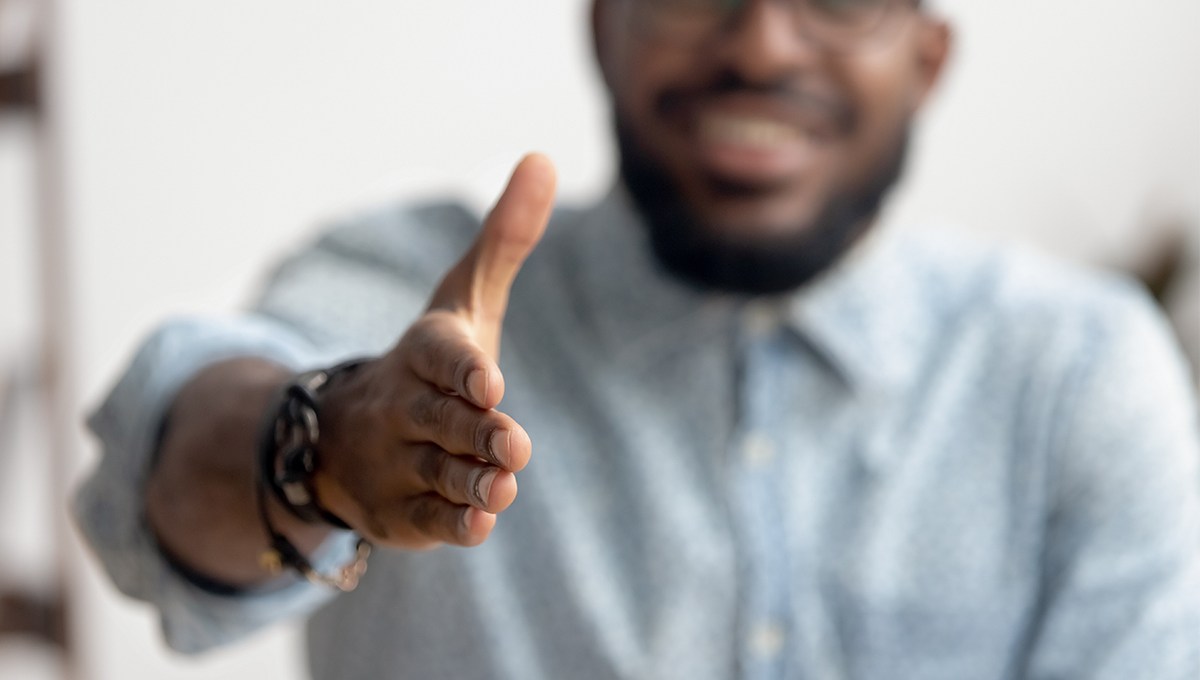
[(770, 444)]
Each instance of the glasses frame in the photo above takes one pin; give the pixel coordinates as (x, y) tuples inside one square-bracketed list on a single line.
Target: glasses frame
[(637, 14)]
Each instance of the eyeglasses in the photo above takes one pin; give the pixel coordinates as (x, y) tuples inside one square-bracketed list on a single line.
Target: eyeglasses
[(834, 24)]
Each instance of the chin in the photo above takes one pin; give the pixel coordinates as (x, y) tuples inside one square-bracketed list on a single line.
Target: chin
[(750, 211), (754, 222), (775, 261), (732, 239)]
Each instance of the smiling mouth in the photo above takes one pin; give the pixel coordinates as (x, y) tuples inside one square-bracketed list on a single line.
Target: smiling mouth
[(753, 149), (760, 133)]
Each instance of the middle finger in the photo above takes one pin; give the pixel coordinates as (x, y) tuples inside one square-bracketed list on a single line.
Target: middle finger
[(457, 426)]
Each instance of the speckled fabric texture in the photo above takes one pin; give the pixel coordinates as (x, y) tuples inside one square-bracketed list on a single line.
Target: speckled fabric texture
[(939, 461)]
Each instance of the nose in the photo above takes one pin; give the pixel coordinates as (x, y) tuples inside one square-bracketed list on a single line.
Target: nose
[(764, 43)]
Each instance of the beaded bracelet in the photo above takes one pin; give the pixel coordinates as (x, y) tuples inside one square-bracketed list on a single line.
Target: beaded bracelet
[(287, 459)]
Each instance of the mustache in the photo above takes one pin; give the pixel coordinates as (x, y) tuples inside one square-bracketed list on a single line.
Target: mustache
[(798, 97)]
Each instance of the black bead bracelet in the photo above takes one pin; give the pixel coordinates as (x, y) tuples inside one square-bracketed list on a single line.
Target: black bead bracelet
[(287, 459)]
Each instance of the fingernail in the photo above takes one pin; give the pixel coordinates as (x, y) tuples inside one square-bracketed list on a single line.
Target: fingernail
[(464, 519), (483, 485), (498, 446), (477, 384)]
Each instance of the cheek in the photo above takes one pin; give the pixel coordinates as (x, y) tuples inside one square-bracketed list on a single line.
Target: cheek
[(885, 100), (640, 75)]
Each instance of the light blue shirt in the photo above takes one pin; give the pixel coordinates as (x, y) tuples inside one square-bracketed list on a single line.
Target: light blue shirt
[(938, 461)]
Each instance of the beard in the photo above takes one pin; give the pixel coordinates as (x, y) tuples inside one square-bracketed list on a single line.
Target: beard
[(709, 258)]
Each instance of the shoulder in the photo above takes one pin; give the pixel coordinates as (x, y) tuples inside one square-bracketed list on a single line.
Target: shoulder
[(423, 237), (1081, 360), (1043, 335), (1024, 299), (364, 278)]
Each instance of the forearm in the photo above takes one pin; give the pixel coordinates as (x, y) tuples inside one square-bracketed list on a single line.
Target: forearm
[(200, 496)]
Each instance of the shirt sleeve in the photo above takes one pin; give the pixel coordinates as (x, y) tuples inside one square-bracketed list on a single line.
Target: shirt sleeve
[(351, 293), (109, 505), (1121, 594)]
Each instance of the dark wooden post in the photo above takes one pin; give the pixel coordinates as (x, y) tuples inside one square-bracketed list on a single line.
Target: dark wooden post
[(26, 90)]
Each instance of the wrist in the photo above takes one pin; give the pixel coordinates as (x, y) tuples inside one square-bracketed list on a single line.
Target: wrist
[(287, 462)]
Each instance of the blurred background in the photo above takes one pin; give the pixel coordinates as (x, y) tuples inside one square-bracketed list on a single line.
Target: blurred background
[(157, 155)]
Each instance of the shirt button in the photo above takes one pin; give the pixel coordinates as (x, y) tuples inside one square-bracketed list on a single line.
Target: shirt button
[(766, 640), (758, 449)]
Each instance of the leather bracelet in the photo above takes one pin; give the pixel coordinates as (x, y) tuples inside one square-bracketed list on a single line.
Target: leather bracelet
[(288, 449), (287, 459)]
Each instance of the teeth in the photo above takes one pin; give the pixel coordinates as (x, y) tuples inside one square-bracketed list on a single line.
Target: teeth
[(758, 132)]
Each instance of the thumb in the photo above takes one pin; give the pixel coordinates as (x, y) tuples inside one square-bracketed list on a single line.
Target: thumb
[(478, 286)]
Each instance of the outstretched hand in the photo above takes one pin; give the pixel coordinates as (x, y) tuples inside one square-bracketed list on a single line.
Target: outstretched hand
[(413, 451)]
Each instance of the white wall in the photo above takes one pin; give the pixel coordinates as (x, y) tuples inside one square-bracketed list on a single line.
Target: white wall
[(1073, 124), (207, 138)]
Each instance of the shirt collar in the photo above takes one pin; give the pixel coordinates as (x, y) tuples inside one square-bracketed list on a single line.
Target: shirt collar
[(863, 315), (858, 316)]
